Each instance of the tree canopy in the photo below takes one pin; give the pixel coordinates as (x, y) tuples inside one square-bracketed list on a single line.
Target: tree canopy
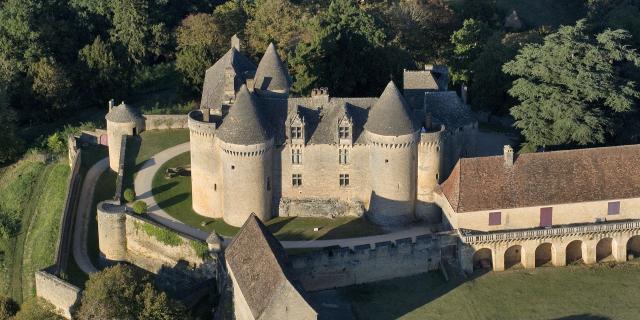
[(573, 86)]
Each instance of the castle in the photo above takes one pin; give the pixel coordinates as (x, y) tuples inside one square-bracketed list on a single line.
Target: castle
[(255, 149)]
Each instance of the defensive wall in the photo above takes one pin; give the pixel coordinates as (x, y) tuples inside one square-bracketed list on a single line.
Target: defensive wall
[(340, 267), (58, 292), (165, 121)]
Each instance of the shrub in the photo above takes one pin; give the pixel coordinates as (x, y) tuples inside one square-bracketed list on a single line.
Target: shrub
[(129, 195), (140, 207), (9, 225), (8, 308)]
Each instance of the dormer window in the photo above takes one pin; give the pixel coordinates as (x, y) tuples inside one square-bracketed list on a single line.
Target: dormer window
[(296, 132), (343, 132), (296, 128)]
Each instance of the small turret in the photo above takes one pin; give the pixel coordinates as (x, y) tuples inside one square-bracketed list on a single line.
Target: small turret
[(122, 121), (272, 76)]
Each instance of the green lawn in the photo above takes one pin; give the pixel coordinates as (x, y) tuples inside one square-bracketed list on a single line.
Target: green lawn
[(174, 196), (597, 292), (34, 192)]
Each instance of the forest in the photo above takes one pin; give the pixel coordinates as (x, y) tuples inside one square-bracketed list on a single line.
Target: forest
[(568, 75)]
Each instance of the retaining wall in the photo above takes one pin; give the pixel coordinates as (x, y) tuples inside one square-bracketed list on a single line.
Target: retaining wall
[(61, 294), (162, 122), (340, 267)]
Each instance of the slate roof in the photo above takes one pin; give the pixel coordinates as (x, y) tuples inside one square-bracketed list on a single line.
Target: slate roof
[(390, 115), (259, 264), (122, 114), (272, 74), (447, 108), (548, 178), (213, 88), (244, 124)]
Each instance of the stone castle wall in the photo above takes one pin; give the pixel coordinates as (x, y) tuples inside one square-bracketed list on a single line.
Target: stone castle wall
[(61, 294), (334, 268), (126, 237), (165, 121)]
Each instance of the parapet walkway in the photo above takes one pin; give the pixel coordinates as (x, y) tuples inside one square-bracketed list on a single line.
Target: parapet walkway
[(143, 187)]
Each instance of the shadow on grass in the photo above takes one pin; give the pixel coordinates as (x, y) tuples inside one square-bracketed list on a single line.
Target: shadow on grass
[(173, 200), (585, 316), (163, 188)]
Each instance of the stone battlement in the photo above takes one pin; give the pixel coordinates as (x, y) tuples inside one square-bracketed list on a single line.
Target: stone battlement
[(199, 127)]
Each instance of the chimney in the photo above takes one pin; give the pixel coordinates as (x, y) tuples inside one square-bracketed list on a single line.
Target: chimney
[(112, 102), (236, 43), (205, 114), (508, 156)]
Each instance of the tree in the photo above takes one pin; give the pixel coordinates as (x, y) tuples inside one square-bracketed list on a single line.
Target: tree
[(131, 27), (571, 87), (480, 10), (8, 308), (129, 195), (198, 47), (343, 53), (11, 144), (467, 42), (120, 292), (37, 309)]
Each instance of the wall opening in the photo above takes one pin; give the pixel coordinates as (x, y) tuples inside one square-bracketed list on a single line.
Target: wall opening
[(543, 254), (513, 257), (604, 250), (482, 259), (574, 252), (633, 247)]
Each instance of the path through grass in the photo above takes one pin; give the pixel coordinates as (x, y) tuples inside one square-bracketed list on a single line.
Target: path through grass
[(576, 292)]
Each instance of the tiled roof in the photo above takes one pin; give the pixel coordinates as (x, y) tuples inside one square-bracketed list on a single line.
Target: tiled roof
[(547, 178), (259, 264), (390, 115), (122, 114), (213, 88), (272, 74), (244, 124)]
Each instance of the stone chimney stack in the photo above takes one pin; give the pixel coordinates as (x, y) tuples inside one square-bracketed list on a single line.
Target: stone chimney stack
[(508, 156), (236, 43), (112, 103)]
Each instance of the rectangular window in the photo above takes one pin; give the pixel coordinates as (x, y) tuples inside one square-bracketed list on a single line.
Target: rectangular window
[(296, 132), (546, 217), (343, 132), (614, 208), (296, 180), (342, 158), (344, 180), (495, 218), (296, 156)]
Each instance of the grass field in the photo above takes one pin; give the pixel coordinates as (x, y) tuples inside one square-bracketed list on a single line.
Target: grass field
[(174, 196), (35, 193), (598, 292)]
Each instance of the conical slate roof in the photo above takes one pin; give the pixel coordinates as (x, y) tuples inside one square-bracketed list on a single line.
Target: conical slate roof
[(272, 74), (244, 124), (213, 88), (390, 115), (122, 114)]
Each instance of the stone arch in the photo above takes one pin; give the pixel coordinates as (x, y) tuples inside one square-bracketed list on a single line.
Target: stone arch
[(604, 249), (512, 256), (543, 254), (482, 259), (633, 246), (574, 251)]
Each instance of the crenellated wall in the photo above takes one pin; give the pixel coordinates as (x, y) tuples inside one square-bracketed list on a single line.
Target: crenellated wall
[(206, 177), (340, 267)]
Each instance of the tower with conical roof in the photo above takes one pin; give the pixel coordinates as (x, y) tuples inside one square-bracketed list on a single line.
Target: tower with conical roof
[(246, 145), (272, 77), (122, 121), (392, 134)]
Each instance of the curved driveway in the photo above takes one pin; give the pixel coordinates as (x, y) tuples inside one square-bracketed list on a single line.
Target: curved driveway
[(143, 186)]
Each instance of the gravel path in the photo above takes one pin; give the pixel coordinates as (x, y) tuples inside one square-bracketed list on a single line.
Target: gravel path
[(80, 252)]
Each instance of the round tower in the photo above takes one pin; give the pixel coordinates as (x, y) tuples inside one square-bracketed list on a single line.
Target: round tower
[(122, 121), (393, 137), (429, 172), (206, 181), (246, 151), (112, 232), (272, 78)]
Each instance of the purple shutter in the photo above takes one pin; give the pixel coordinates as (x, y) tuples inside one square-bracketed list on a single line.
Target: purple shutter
[(495, 218), (614, 207), (546, 217)]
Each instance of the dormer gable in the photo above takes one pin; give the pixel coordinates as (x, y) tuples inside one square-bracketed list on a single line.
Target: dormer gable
[(296, 128), (344, 129)]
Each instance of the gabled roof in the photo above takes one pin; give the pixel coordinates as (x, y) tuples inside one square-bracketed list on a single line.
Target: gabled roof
[(547, 178), (213, 88), (122, 114), (259, 265), (244, 124), (272, 74), (390, 115)]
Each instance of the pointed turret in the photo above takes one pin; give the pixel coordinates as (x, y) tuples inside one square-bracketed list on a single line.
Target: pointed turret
[(244, 124), (390, 115), (272, 75)]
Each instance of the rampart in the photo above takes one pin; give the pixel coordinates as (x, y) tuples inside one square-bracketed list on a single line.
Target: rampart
[(61, 294), (163, 122), (340, 267)]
